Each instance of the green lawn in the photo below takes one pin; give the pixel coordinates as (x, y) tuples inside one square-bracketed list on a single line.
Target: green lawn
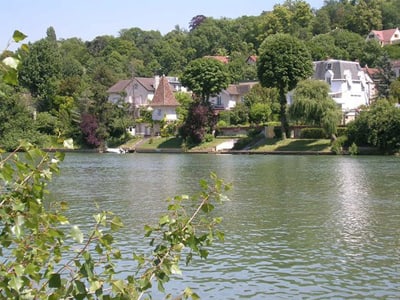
[(160, 143), (262, 145), (293, 145)]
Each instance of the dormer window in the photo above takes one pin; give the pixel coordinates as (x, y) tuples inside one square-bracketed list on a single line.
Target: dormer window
[(329, 77)]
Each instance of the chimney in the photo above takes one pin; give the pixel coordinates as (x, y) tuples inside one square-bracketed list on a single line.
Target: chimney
[(156, 81)]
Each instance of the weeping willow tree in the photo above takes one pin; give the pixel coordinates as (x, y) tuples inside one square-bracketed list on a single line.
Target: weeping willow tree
[(313, 106)]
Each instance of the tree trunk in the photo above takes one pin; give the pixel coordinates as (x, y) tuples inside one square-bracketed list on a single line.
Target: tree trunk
[(283, 119)]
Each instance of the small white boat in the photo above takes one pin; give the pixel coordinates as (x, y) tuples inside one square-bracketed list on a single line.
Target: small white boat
[(116, 150)]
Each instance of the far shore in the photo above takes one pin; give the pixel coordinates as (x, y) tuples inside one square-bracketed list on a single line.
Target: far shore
[(262, 147)]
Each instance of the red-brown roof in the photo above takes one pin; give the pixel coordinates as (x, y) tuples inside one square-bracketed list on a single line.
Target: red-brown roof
[(164, 95), (384, 35), (252, 58)]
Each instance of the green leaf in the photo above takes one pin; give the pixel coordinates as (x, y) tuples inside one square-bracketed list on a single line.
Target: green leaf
[(80, 287), (148, 230), (18, 36), (55, 281), (94, 286), (164, 220), (77, 234), (118, 286), (11, 77), (116, 223), (175, 269), (15, 283), (220, 235), (207, 207)]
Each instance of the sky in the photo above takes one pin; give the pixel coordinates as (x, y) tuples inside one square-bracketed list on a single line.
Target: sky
[(87, 19)]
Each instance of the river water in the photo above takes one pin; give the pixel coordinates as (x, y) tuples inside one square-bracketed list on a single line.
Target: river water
[(297, 227)]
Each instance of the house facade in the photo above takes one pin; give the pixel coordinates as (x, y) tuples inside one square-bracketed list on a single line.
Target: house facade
[(232, 95), (164, 103), (350, 86), (139, 91), (385, 37)]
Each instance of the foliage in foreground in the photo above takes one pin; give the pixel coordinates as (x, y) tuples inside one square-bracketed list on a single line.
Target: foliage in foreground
[(44, 257)]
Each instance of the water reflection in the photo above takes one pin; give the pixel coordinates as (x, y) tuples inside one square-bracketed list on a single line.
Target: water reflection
[(296, 226), (353, 215)]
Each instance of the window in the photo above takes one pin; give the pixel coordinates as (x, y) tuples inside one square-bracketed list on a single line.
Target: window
[(219, 100)]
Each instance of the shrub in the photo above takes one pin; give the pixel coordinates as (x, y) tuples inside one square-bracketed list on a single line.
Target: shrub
[(312, 133), (353, 149), (338, 144)]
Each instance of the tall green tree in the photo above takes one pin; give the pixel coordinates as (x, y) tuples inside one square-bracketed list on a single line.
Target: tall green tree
[(205, 77), (386, 75), (40, 72), (283, 62), (378, 126)]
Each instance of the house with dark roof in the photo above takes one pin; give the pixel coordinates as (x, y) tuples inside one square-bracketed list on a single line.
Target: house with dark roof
[(232, 95), (164, 103), (350, 86), (385, 37), (139, 91)]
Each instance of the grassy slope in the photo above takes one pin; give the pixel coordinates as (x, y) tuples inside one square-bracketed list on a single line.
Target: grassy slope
[(263, 145)]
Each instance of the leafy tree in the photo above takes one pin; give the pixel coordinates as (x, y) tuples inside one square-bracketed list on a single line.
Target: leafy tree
[(205, 77), (390, 10), (184, 101), (89, 126), (51, 34), (283, 62), (394, 93), (379, 127), (41, 71), (199, 122), (321, 23), (323, 46), (196, 21), (239, 114), (371, 54), (260, 113), (386, 76), (312, 105), (367, 16), (351, 42)]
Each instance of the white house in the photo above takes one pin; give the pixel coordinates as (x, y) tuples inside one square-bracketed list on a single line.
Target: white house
[(232, 95), (139, 91), (350, 86), (164, 103), (385, 37)]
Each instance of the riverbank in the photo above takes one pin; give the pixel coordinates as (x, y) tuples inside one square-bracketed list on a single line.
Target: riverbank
[(224, 145)]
